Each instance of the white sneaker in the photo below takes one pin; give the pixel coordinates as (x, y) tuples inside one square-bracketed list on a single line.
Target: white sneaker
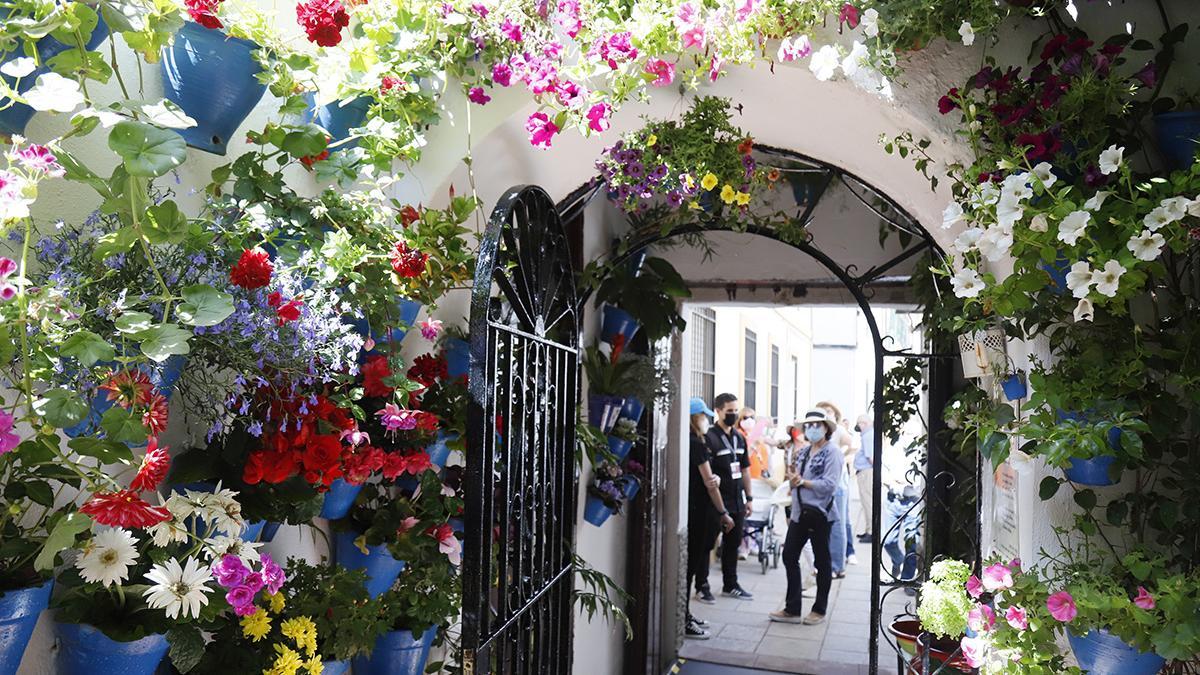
[(852, 559), (810, 592)]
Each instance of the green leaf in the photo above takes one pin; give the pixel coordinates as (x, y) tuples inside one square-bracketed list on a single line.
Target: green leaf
[(61, 538), (1086, 499), (108, 451), (115, 242), (306, 141), (204, 306), (1116, 512), (147, 150), (187, 647), (88, 348), (1048, 488), (40, 492), (132, 323), (61, 408), (163, 341), (123, 426), (166, 224)]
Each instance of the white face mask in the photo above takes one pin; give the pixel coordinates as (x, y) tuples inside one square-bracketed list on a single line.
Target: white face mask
[(814, 434), (747, 424), (703, 426)]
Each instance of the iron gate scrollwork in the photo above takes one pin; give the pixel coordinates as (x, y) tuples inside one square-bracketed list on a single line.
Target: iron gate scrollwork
[(521, 480)]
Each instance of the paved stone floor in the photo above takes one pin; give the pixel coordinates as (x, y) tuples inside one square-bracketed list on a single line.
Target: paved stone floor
[(742, 634)]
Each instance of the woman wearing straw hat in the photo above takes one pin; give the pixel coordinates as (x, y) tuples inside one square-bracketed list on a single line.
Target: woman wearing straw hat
[(814, 475)]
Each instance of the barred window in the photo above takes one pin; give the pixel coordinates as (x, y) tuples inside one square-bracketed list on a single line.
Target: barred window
[(704, 353)]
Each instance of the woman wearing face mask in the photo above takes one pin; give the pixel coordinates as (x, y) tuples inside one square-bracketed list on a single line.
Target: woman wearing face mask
[(841, 537), (814, 477), (706, 512)]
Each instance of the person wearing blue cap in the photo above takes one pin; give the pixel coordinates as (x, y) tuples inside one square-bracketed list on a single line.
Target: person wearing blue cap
[(706, 512)]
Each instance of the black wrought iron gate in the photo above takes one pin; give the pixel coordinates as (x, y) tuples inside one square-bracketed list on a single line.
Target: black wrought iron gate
[(521, 478)]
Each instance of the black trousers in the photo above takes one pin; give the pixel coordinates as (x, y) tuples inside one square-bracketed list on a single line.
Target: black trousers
[(812, 527), (730, 542), (702, 537)]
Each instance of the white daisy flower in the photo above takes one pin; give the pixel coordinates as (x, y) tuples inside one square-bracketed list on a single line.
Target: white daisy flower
[(1097, 200), (107, 557), (1108, 279), (967, 283), (1045, 173), (55, 93), (1084, 310), (1071, 228), (825, 62), (1147, 245), (967, 33), (178, 590), (1079, 279), (1110, 160), (952, 215), (1039, 223), (223, 545)]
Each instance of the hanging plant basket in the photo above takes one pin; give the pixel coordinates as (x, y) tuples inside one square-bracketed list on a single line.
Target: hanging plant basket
[(212, 77), (617, 322), (19, 612), (339, 499), (85, 650), (1094, 472), (983, 352), (15, 116), (382, 569), (1102, 653)]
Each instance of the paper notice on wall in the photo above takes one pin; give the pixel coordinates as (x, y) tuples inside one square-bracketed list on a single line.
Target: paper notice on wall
[(1008, 539)]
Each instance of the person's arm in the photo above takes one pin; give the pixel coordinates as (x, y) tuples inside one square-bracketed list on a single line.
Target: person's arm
[(715, 495)]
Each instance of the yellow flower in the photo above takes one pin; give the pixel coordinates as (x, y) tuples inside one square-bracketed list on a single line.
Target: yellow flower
[(257, 625), (314, 666), (277, 602), (743, 198), (287, 663), (688, 181), (303, 631), (651, 141), (694, 205), (709, 181), (728, 194)]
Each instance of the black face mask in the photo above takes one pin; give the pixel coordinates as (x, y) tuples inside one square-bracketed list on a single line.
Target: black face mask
[(858, 428), (730, 419)]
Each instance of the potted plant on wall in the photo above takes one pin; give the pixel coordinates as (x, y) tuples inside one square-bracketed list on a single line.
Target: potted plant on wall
[(1177, 128), (646, 299), (423, 600), (608, 380), (605, 493), (622, 437)]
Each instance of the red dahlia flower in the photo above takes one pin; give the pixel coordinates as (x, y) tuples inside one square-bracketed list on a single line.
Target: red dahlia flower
[(323, 21), (128, 388), (253, 269), (155, 416), (374, 372), (124, 508), (204, 12), (408, 263), (154, 467)]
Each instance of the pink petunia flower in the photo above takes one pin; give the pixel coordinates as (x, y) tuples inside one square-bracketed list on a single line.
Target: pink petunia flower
[(541, 129), (694, 37), (502, 74), (848, 15), (1062, 606), (8, 436), (974, 587), (568, 17), (430, 329), (662, 70), (1017, 617), (793, 48), (511, 30), (714, 68), (997, 577), (981, 619), (8, 290), (745, 8), (972, 649), (1143, 599), (38, 158), (477, 95), (598, 117)]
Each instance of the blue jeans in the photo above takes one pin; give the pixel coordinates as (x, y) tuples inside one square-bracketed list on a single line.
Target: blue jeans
[(902, 535), (839, 529)]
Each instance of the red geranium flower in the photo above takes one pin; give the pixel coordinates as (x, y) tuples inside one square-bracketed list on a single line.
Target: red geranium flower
[(409, 215), (155, 416), (418, 462), (408, 263), (204, 12), (428, 369), (426, 421), (389, 82), (271, 466), (374, 372), (154, 467), (323, 21), (124, 508), (253, 270), (313, 159), (288, 311), (128, 388)]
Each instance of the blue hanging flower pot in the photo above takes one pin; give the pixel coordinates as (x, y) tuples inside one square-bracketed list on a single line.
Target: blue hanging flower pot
[(84, 650), (399, 652), (595, 511), (409, 310), (1094, 471), (458, 357), (163, 379), (439, 451), (269, 530), (19, 612), (382, 569), (619, 447), (211, 76), (633, 409), (1102, 653), (630, 486), (1014, 387), (338, 117), (616, 321), (604, 410), (339, 499), (1176, 133), (14, 117), (335, 667)]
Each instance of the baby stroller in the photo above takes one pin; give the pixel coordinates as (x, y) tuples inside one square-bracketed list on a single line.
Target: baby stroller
[(760, 526)]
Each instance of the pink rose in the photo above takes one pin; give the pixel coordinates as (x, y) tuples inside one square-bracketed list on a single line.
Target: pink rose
[(974, 587), (1144, 599), (997, 577), (1017, 618), (1061, 606)]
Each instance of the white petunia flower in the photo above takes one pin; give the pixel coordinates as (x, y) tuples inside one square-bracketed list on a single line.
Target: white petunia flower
[(1039, 223), (55, 93), (1097, 200), (1147, 245), (1079, 279), (1084, 310), (995, 243), (856, 60), (1016, 186), (793, 48), (968, 239), (1157, 219), (967, 33), (178, 590), (1009, 211), (1110, 160), (967, 283), (1193, 208), (19, 67), (825, 62), (107, 557), (952, 215), (870, 22), (1108, 279), (1045, 173), (1071, 228), (1177, 207)]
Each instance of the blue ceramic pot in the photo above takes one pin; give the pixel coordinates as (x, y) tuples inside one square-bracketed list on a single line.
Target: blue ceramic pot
[(630, 487), (399, 652), (1176, 133), (438, 451), (1090, 471), (595, 511), (603, 411), (338, 118), (253, 531), (84, 650), (49, 47), (1014, 387), (458, 525), (409, 310), (616, 321), (1058, 273), (458, 357), (339, 499), (163, 378), (14, 117), (19, 612), (382, 569), (269, 530), (212, 77), (619, 447), (1101, 653), (633, 409), (335, 667)]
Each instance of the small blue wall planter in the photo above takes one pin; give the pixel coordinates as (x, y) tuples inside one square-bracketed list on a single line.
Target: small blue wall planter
[(212, 77), (84, 650), (399, 652), (1093, 471), (616, 321), (19, 612), (603, 411), (339, 499), (458, 357), (633, 409), (619, 447), (1101, 653), (338, 117), (1014, 387), (408, 309), (595, 511), (382, 569), (1177, 133), (14, 117)]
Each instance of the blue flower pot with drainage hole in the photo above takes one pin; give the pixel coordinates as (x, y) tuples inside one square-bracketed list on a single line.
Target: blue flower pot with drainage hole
[(595, 511), (616, 321), (1176, 133), (84, 650), (1102, 653), (399, 652), (439, 449), (604, 410), (212, 77), (408, 311), (619, 447), (1014, 387), (339, 499), (458, 357), (633, 409), (338, 117), (19, 612), (381, 568)]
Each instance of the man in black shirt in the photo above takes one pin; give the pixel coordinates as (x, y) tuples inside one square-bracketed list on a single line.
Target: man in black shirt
[(731, 463)]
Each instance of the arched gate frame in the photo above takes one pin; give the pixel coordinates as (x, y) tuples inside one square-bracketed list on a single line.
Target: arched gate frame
[(496, 604)]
